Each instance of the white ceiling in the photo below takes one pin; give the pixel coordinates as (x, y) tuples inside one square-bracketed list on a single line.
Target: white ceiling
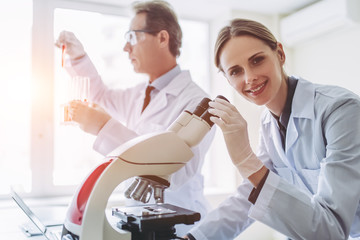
[(208, 9), (214, 7)]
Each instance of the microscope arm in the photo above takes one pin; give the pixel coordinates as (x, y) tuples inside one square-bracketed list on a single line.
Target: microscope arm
[(146, 155)]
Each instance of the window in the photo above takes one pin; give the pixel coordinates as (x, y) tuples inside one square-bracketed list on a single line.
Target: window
[(15, 94), (103, 42)]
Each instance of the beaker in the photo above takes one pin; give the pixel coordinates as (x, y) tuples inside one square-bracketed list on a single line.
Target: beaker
[(78, 88)]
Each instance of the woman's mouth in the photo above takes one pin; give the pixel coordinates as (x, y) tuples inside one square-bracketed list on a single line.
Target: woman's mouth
[(257, 90)]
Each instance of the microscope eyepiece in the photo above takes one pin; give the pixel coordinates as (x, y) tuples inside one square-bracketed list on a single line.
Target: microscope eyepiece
[(206, 117), (202, 107), (222, 97)]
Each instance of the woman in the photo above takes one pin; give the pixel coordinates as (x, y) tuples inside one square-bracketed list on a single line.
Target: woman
[(305, 179)]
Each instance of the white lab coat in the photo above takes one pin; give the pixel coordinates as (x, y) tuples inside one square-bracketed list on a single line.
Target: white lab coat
[(313, 188), (124, 105)]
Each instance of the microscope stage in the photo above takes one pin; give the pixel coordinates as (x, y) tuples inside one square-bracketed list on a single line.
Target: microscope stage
[(154, 216)]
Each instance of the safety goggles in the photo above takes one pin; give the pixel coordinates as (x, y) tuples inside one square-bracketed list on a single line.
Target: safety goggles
[(132, 38)]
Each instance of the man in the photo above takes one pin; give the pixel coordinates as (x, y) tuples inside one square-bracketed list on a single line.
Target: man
[(153, 45)]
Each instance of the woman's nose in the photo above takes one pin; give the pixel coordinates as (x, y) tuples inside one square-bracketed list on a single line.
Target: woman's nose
[(250, 76)]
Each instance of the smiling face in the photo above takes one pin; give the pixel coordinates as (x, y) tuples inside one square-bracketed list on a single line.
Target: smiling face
[(255, 71)]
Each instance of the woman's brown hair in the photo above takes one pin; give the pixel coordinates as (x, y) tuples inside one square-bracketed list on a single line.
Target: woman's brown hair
[(240, 27)]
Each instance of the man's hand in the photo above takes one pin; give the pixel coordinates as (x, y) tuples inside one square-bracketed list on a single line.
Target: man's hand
[(234, 128), (73, 46), (90, 118)]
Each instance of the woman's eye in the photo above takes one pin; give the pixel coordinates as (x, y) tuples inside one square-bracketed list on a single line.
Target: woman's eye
[(235, 72), (258, 60)]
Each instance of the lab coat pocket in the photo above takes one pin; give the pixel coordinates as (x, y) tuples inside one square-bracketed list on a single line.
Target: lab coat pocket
[(311, 179)]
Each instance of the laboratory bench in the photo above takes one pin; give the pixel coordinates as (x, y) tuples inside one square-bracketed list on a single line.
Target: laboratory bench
[(50, 211), (12, 217)]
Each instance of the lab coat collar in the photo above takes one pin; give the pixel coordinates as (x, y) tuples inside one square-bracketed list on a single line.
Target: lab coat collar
[(178, 84), (302, 107), (166, 78), (303, 102), (175, 87)]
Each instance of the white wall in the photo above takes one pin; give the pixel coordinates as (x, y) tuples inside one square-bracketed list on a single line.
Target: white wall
[(332, 58)]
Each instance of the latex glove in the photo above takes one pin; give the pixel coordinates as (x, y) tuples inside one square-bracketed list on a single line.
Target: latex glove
[(73, 46), (234, 128), (91, 118)]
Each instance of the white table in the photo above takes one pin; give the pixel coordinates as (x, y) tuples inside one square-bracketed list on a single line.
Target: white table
[(11, 217)]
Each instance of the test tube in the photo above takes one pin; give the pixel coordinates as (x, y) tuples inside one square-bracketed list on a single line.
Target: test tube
[(79, 88), (62, 55)]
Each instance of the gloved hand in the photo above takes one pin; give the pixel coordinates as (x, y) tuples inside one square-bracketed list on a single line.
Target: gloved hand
[(73, 46), (90, 118), (234, 128)]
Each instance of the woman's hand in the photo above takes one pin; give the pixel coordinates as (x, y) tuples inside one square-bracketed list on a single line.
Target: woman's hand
[(234, 128), (90, 118)]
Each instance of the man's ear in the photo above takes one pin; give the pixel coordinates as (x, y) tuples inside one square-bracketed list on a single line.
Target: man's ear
[(163, 37)]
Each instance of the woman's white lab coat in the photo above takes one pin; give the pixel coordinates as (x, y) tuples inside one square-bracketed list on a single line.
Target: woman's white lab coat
[(124, 105), (313, 188)]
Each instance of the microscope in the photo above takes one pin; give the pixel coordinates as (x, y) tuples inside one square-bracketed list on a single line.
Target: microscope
[(151, 159)]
